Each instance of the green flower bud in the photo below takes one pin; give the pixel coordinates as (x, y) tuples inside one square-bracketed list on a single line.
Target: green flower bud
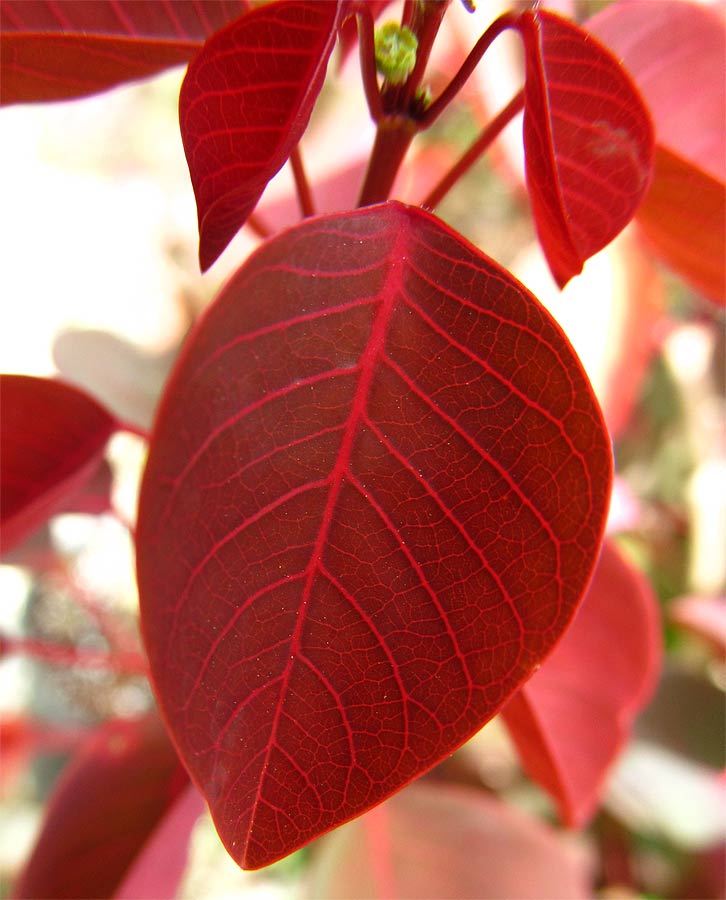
[(396, 48)]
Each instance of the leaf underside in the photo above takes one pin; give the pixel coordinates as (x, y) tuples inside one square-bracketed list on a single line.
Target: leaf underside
[(374, 497)]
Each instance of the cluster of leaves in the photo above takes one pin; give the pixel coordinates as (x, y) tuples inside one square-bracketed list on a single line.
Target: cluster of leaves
[(378, 478)]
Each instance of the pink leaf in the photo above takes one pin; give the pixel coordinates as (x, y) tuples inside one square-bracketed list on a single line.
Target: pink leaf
[(54, 51), (159, 867), (434, 840), (374, 496), (244, 105), (588, 141), (52, 440), (108, 801), (675, 53), (571, 719)]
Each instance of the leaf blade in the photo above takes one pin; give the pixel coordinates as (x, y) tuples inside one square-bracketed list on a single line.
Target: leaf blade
[(245, 103), (588, 141), (364, 508), (57, 52), (52, 441), (572, 719)]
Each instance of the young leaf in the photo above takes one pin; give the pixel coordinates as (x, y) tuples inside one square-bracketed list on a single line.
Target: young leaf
[(55, 51), (107, 803), (52, 439), (588, 141), (573, 717), (244, 105), (669, 47), (374, 497), (439, 840)]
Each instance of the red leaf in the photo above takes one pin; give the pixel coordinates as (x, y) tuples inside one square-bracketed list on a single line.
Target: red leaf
[(675, 53), (374, 496), (52, 440), (54, 51), (435, 840), (684, 218), (245, 103), (107, 803), (588, 142), (571, 720)]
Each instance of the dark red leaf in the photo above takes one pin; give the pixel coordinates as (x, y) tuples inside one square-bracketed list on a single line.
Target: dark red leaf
[(245, 103), (107, 803), (588, 141), (572, 718), (435, 840), (374, 497), (675, 53), (52, 440), (52, 50)]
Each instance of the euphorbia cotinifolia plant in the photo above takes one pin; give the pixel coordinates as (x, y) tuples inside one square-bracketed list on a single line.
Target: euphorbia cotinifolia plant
[(378, 478)]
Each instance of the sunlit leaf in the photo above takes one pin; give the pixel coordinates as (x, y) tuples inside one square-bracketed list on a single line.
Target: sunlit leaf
[(58, 50), (374, 497)]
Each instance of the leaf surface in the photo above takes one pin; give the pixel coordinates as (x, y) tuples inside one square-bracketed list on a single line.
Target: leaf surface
[(675, 53), (56, 51), (244, 105), (435, 840), (570, 721), (374, 496), (588, 141), (108, 801), (52, 440)]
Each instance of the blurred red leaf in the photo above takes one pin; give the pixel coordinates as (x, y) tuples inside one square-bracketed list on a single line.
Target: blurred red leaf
[(675, 52), (570, 721), (588, 141), (684, 217), (375, 493), (450, 842), (244, 105), (158, 869), (52, 440), (108, 801), (55, 51)]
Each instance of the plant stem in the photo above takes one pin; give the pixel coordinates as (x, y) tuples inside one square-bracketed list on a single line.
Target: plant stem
[(393, 138), (488, 135), (366, 30), (122, 662), (259, 226), (505, 21), (304, 194)]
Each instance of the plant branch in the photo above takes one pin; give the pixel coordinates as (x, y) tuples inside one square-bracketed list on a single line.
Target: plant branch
[(259, 226), (485, 139), (304, 194), (505, 21), (366, 44), (393, 138), (123, 662)]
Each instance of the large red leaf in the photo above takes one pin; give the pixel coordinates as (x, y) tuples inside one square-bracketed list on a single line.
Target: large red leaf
[(51, 442), (572, 718), (675, 53), (107, 803), (588, 141), (244, 105), (374, 497), (437, 840), (53, 50)]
